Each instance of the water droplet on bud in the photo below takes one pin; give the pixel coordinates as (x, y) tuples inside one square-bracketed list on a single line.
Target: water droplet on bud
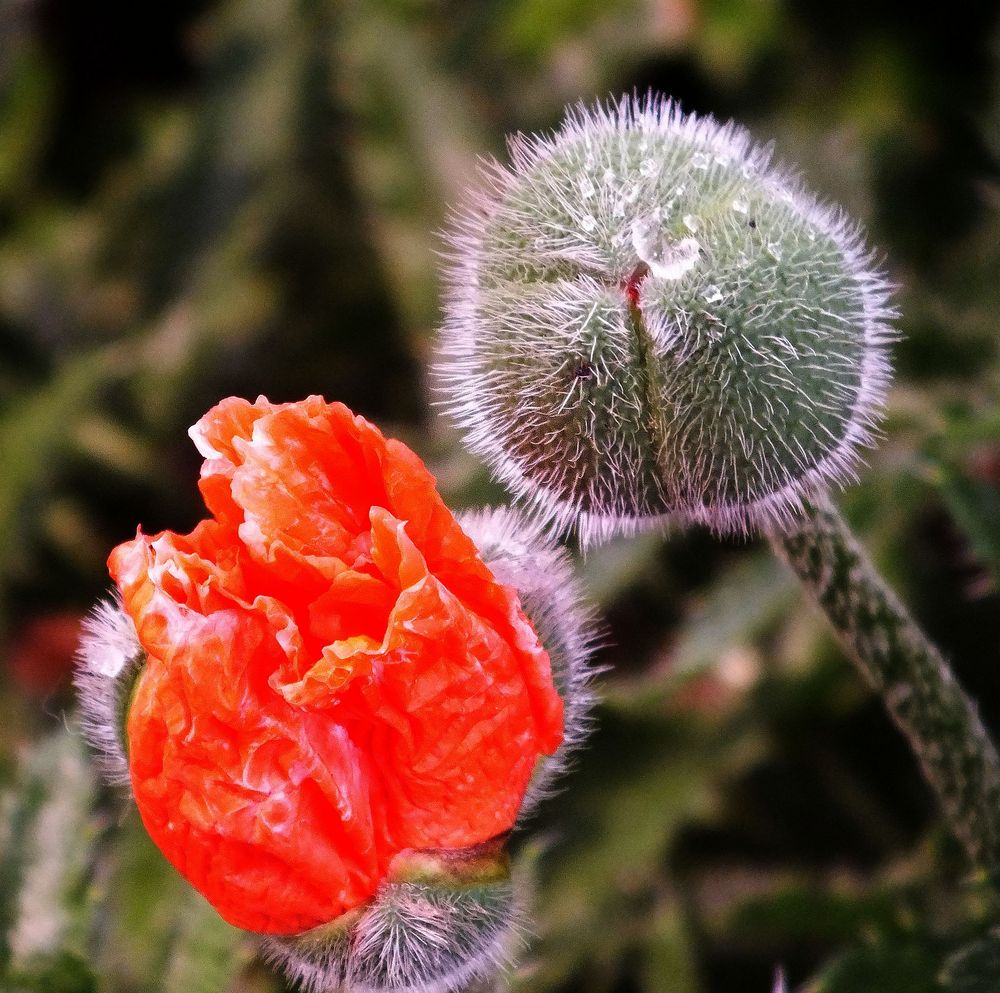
[(691, 223), (666, 257)]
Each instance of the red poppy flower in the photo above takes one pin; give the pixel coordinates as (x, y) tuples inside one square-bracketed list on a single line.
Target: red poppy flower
[(333, 676)]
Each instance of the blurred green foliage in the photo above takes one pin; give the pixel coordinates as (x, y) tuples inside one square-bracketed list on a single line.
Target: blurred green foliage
[(241, 196)]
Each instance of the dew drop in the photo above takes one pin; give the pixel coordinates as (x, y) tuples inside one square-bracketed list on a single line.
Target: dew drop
[(647, 167), (774, 250), (690, 222), (666, 257), (699, 160), (609, 177), (740, 206), (588, 222), (586, 188), (713, 294)]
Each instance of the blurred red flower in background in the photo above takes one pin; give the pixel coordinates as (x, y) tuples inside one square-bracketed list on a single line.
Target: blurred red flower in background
[(333, 676), (40, 657)]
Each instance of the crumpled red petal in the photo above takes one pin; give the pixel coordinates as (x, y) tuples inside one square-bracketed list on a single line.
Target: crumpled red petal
[(333, 675)]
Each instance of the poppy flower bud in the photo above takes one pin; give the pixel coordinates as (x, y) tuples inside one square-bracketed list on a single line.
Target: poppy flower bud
[(332, 709), (647, 320)]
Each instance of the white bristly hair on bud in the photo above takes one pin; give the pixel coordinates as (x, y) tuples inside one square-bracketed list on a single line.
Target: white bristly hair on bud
[(647, 321), (521, 554), (108, 660), (412, 937), (421, 940)]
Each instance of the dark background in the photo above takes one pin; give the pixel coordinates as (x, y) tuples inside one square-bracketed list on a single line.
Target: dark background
[(200, 199)]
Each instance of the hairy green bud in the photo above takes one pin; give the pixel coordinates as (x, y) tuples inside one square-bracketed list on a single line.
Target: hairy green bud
[(646, 320)]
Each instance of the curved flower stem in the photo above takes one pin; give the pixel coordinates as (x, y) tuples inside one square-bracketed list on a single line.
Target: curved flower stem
[(955, 751)]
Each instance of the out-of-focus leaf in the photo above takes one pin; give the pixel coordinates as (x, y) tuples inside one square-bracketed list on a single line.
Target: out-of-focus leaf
[(207, 953), (420, 133), (741, 603), (143, 894), (906, 968), (35, 431), (975, 968), (47, 858), (796, 911), (615, 825), (531, 28), (26, 90), (975, 506), (670, 964), (62, 972), (158, 933), (609, 568), (114, 446), (734, 31), (19, 809)]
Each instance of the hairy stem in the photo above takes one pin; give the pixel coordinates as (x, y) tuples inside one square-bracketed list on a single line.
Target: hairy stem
[(957, 756)]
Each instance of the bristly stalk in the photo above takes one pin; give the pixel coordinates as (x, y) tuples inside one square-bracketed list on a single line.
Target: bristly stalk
[(956, 753)]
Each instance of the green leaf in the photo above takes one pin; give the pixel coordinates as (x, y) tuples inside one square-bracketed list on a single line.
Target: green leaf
[(644, 778), (975, 507), (975, 968), (670, 965), (35, 431), (742, 603), (207, 953), (63, 972), (25, 112), (909, 968), (46, 862), (610, 567)]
